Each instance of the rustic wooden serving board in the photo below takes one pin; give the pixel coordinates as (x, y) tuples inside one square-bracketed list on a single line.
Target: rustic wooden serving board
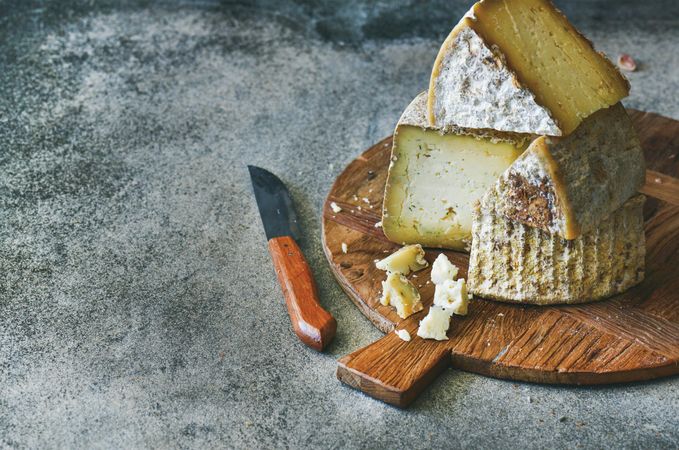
[(630, 337)]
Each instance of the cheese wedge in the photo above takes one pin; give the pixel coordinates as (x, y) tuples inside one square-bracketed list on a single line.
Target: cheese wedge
[(513, 262), (520, 66), (435, 179), (568, 185)]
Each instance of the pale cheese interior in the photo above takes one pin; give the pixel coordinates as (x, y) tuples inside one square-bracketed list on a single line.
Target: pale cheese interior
[(435, 181), (551, 58)]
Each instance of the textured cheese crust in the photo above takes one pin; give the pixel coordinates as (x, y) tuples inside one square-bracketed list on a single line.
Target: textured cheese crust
[(515, 263), (567, 185), (472, 87), (435, 178), (520, 66)]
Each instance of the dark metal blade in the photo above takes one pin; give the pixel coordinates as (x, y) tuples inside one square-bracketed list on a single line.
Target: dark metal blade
[(274, 203)]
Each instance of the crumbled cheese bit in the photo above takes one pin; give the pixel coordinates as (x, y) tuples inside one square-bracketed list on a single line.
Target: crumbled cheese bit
[(365, 200), (435, 324), (335, 207), (345, 247), (443, 270), (400, 293), (407, 259), (403, 334), (452, 295), (378, 224)]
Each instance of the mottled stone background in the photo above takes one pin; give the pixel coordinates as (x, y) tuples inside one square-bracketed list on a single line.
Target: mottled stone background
[(138, 304)]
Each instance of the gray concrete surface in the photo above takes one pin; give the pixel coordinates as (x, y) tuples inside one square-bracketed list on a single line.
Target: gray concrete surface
[(138, 304)]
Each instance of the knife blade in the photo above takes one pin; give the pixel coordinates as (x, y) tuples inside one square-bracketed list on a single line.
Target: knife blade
[(313, 325)]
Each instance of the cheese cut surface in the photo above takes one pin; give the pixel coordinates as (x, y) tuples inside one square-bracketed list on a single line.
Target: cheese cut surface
[(568, 185), (513, 262), (435, 179), (520, 66)]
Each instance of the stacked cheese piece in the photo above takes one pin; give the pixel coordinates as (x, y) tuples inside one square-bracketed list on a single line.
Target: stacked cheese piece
[(521, 153)]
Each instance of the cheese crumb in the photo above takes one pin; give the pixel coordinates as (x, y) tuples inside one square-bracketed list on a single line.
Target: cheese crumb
[(378, 224), (403, 334), (443, 270), (400, 293), (452, 296), (335, 207), (407, 259), (345, 248), (435, 324), (365, 200)]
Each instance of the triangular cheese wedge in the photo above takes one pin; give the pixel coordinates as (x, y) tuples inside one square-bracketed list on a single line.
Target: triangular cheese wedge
[(436, 178), (520, 66), (567, 185)]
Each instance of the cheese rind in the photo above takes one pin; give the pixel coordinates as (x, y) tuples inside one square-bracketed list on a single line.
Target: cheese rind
[(435, 179), (404, 260), (568, 185), (400, 293), (520, 66), (513, 262)]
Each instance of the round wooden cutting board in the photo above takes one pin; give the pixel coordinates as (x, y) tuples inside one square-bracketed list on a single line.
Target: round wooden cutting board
[(633, 336)]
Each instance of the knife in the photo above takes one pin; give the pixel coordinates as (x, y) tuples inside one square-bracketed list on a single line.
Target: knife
[(313, 325)]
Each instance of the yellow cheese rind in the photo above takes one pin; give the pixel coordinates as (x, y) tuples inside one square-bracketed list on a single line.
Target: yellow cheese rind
[(435, 178), (513, 262), (534, 72)]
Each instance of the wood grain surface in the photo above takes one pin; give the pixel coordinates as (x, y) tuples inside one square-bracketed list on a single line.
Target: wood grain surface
[(312, 324), (630, 337)]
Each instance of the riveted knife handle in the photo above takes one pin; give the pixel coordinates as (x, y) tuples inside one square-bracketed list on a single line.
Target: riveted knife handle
[(312, 324)]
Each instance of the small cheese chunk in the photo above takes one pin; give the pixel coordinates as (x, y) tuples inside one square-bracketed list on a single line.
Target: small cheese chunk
[(406, 259), (453, 296), (443, 270), (520, 66), (435, 179), (400, 293), (335, 207), (345, 247), (435, 324), (403, 334)]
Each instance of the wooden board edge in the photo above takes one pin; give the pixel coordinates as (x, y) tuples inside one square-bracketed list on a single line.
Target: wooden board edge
[(528, 375), (381, 323)]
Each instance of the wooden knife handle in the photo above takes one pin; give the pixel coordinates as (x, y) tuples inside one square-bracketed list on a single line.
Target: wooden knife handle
[(314, 325)]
